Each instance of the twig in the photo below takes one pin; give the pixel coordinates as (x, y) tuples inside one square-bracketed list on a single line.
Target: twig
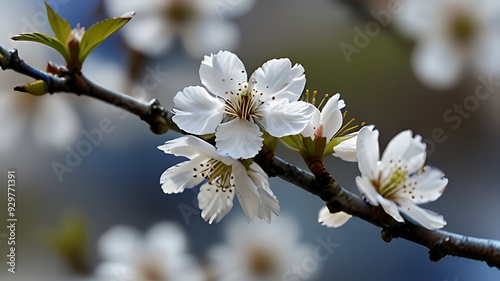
[(440, 243), (74, 82)]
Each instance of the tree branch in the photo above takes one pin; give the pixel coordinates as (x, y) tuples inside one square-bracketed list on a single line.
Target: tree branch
[(440, 243), (74, 82)]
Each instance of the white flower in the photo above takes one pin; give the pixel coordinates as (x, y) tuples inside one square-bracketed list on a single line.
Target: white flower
[(399, 180), (236, 108), (332, 220), (224, 178), (327, 124), (259, 252), (198, 23), (452, 35), (159, 255)]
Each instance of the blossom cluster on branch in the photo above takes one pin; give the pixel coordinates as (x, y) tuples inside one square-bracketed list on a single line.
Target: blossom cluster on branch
[(245, 114), (236, 121)]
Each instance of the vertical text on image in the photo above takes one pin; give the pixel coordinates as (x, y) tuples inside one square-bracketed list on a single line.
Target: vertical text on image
[(11, 220)]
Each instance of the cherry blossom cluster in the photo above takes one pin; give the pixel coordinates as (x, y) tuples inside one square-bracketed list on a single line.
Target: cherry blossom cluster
[(233, 116)]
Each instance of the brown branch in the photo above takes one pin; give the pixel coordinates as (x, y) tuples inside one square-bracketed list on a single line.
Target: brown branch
[(440, 243), (74, 82)]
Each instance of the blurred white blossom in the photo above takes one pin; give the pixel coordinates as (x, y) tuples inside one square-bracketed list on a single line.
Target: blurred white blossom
[(258, 252), (200, 24), (452, 36), (159, 255), (51, 118)]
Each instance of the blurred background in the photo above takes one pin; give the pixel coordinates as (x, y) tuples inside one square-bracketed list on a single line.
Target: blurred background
[(396, 65)]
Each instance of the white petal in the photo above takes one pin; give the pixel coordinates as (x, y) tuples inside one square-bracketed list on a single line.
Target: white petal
[(116, 271), (283, 118), (157, 241), (268, 202), (210, 36), (487, 56), (214, 202), (366, 188), (150, 35), (120, 244), (116, 8), (368, 152), (408, 149), (332, 220), (278, 78), (13, 119), (238, 139), (416, 18), (425, 218), (231, 8), (221, 73), (313, 124), (180, 147), (426, 186), (196, 111), (191, 147), (55, 122), (390, 207), (181, 176), (247, 192), (346, 150), (438, 63), (331, 117)]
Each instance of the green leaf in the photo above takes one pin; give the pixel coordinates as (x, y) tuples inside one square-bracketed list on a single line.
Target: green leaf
[(60, 26), (43, 39), (99, 32)]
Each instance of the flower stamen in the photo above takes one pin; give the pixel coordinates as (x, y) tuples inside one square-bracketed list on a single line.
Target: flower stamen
[(244, 106), (217, 173), (399, 176), (346, 129)]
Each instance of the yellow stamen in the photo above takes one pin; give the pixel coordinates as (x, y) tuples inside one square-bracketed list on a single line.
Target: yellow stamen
[(323, 102)]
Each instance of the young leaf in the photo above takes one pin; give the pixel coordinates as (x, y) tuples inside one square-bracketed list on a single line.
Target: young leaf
[(97, 33), (43, 39), (60, 26)]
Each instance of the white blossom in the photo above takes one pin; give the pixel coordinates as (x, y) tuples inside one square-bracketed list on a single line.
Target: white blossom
[(259, 252), (51, 120), (399, 181), (451, 36), (327, 123), (201, 25), (159, 255), (223, 177), (236, 108)]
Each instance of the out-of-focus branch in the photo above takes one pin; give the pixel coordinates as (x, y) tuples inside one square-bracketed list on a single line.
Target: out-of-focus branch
[(439, 243)]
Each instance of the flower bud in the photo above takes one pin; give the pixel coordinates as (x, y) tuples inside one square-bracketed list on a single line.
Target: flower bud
[(37, 88), (73, 44)]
